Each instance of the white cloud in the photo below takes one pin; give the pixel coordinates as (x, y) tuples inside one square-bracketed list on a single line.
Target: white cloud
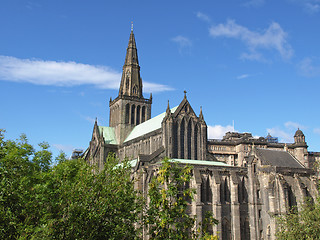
[(253, 56), (274, 37), (316, 130), (283, 136), (286, 133), (54, 73), (89, 119), (308, 68), (203, 17), (155, 87), (218, 131), (254, 3), (243, 76), (182, 41), (294, 125), (310, 6)]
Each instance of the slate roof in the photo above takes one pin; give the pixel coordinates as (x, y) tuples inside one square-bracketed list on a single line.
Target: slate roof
[(108, 134), (277, 158), (148, 126)]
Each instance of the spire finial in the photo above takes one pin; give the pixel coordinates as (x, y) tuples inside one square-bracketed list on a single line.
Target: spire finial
[(168, 107), (131, 26), (200, 114), (185, 94)]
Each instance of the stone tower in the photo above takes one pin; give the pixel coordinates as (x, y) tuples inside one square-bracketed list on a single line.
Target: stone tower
[(130, 108), (300, 148)]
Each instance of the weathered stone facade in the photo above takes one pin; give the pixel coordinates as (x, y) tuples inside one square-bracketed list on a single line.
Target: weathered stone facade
[(246, 182)]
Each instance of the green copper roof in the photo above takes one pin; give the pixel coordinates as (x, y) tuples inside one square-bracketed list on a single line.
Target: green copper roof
[(108, 134), (200, 162), (148, 126)]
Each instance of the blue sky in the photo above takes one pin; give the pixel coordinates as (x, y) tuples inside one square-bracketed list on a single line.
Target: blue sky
[(255, 63)]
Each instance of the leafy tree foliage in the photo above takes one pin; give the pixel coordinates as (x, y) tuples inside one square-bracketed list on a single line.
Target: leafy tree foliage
[(304, 224), (70, 200), (169, 197), (20, 171)]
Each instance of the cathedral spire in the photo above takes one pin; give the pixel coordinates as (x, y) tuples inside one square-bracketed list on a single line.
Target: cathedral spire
[(131, 83)]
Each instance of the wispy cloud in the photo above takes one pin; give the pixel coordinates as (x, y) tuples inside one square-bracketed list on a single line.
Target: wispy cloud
[(310, 6), (274, 37), (183, 42), (89, 119), (308, 68), (243, 76), (254, 3), (317, 131), (283, 136), (55, 73), (286, 133), (294, 125), (218, 131), (203, 17)]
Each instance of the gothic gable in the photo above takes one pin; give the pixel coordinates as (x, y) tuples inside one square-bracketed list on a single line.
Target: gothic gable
[(184, 110)]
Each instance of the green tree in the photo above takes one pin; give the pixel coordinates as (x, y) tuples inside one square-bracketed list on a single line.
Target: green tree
[(20, 171), (169, 196), (68, 200), (84, 203), (301, 225)]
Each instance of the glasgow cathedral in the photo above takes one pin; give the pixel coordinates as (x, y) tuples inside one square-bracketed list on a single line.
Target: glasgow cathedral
[(245, 181)]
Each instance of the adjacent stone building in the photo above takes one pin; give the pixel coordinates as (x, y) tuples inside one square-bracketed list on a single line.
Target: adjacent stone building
[(245, 181)]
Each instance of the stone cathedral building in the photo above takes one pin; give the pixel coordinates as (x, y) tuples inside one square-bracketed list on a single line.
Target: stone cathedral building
[(245, 181)]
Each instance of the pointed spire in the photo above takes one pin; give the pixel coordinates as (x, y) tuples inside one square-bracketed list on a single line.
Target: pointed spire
[(168, 107), (201, 115), (96, 121), (185, 94), (132, 55), (131, 82)]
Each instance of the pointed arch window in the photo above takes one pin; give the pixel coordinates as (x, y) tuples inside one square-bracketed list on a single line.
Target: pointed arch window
[(182, 129), (189, 130), (292, 201), (206, 192), (133, 111), (196, 142), (134, 90), (127, 113), (138, 115), (175, 141), (143, 114), (243, 192), (226, 190)]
